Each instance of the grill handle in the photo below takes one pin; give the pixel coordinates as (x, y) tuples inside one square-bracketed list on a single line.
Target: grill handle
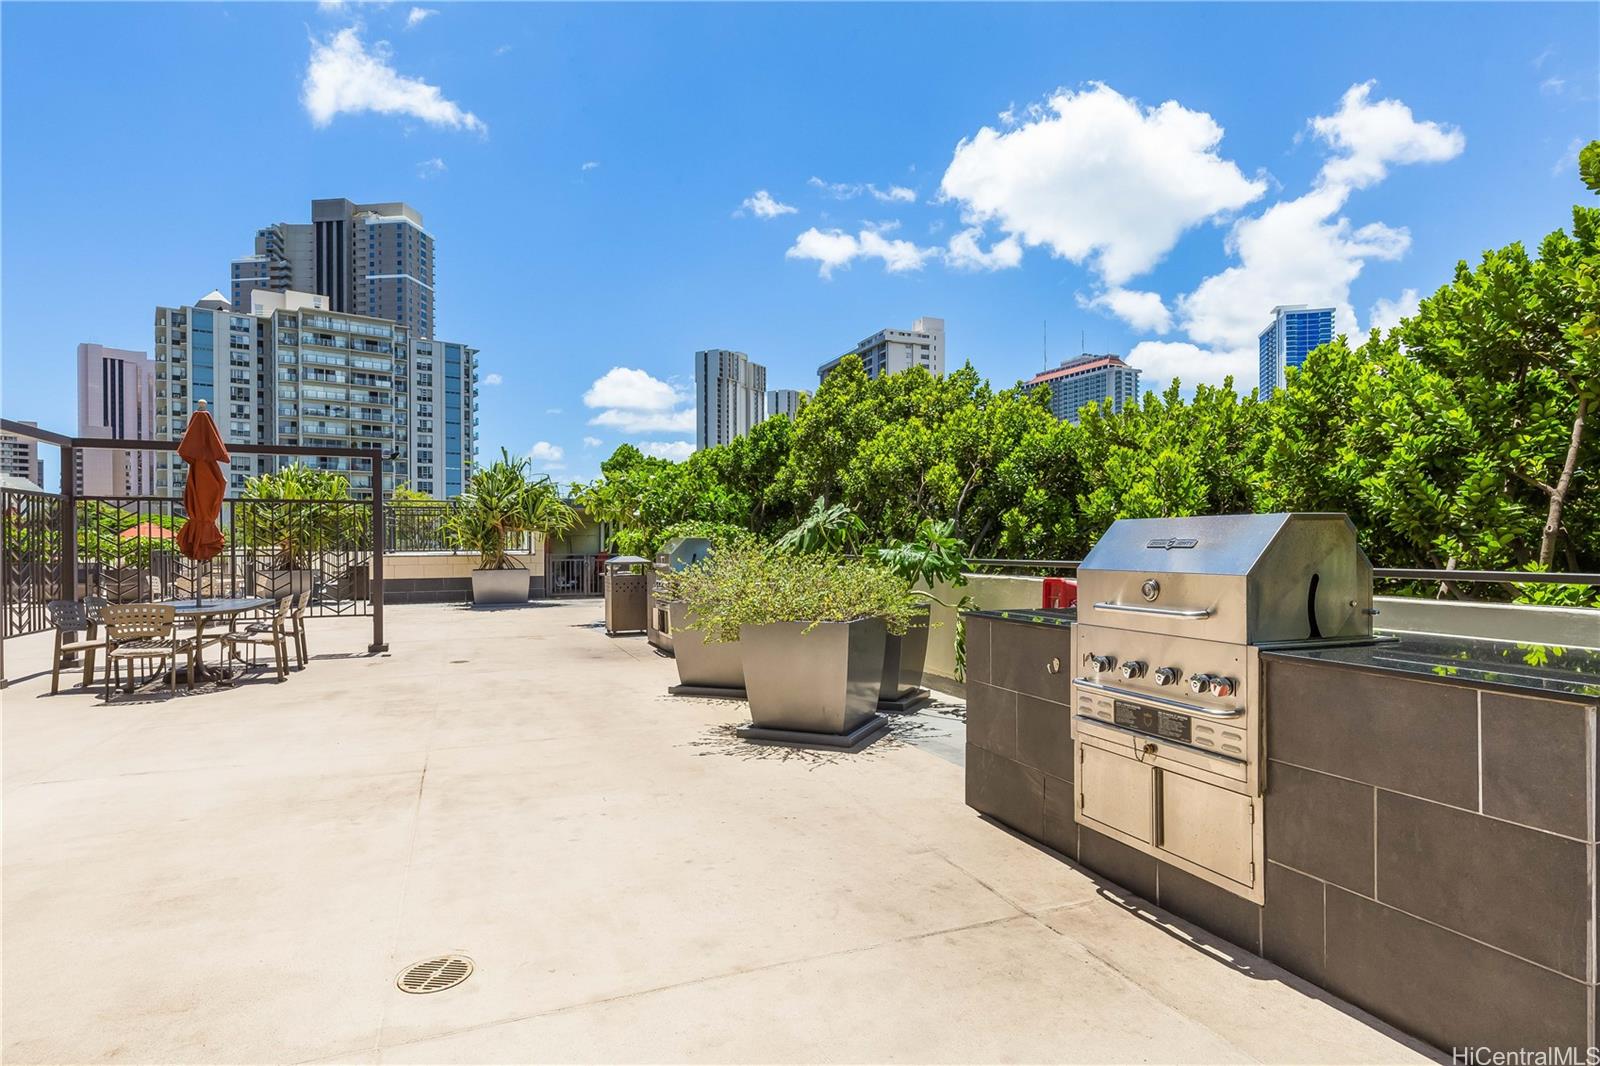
[(1163, 612)]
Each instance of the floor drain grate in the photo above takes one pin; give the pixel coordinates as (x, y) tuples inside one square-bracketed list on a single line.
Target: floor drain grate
[(434, 975)]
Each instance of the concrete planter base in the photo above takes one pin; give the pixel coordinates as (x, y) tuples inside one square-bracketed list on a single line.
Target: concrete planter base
[(906, 702), (708, 692), (499, 586), (826, 681), (705, 668)]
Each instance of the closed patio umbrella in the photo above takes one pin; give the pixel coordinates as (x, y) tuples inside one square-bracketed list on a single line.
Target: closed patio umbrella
[(202, 448)]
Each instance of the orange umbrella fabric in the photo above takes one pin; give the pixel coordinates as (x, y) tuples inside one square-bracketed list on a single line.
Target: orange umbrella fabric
[(202, 448)]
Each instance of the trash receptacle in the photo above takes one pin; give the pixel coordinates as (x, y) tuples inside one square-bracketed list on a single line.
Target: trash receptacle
[(627, 590)]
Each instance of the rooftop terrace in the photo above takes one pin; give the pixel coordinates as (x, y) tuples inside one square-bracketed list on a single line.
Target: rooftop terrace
[(239, 875)]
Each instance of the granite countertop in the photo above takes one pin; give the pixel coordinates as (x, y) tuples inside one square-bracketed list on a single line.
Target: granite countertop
[(1038, 616), (1544, 670)]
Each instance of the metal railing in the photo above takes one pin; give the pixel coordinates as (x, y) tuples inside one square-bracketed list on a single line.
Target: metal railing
[(125, 550), (1387, 573)]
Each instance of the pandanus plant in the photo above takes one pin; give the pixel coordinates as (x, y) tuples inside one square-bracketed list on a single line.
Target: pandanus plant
[(501, 506)]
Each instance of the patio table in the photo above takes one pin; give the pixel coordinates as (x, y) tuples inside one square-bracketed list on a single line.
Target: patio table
[(202, 611)]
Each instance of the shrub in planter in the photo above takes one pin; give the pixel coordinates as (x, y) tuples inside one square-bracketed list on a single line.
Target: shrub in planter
[(292, 515), (501, 507), (812, 630)]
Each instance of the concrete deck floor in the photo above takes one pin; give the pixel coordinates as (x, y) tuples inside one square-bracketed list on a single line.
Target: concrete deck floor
[(239, 875)]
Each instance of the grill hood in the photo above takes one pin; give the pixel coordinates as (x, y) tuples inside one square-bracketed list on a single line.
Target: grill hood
[(1251, 579)]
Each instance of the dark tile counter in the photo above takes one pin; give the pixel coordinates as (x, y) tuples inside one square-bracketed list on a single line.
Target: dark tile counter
[(1522, 669), (1430, 821)]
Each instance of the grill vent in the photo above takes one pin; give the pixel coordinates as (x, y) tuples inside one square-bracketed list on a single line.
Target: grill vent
[(434, 975)]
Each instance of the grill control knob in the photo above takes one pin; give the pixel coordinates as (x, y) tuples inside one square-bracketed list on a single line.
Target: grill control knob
[(1167, 675), (1101, 663), (1223, 686), (1199, 684), (1133, 668)]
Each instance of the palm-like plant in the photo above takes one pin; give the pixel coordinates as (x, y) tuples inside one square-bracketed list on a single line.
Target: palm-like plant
[(835, 529), (280, 511), (935, 554), (502, 505)]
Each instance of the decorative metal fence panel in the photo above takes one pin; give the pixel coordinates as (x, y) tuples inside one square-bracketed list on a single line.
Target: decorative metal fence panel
[(127, 551), (573, 575), (30, 559), (417, 527)]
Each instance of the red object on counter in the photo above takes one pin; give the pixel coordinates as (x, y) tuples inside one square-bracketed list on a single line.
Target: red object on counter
[(1060, 592)]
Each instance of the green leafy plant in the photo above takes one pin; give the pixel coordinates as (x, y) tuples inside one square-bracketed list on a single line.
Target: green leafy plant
[(279, 511), (502, 505), (759, 584), (935, 554), (825, 529)]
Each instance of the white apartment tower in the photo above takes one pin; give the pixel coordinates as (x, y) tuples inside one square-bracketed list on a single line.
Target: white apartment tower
[(730, 396), (890, 351), (785, 402), (116, 401), (19, 458), (292, 371)]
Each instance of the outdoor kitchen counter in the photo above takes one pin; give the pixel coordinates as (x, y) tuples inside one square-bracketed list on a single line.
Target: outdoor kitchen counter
[(1429, 817), (1524, 669)]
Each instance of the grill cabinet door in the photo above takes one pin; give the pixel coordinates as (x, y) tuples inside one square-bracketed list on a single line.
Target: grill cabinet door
[(1117, 791), (1209, 826)]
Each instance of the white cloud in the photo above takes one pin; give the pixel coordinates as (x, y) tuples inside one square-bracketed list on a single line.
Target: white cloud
[(1371, 135), (418, 15), (1144, 311), (1553, 85), (835, 248), (547, 456), (502, 49), (493, 379), (635, 402), (964, 252), (431, 168), (849, 190), (1095, 176), (1296, 252), (1568, 163), (1386, 314), (1161, 361), (676, 450), (552, 410), (592, 442), (590, 165), (762, 205), (344, 77), (633, 389)]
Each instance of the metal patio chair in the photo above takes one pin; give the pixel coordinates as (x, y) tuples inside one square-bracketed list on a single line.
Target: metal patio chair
[(275, 636), (69, 619), (143, 631)]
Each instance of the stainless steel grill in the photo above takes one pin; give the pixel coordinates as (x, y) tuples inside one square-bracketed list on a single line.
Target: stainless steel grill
[(1166, 691), (679, 553)]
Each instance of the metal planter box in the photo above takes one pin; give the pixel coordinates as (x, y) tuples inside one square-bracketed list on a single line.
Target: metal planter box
[(702, 664), (826, 681), (499, 586), (903, 660)]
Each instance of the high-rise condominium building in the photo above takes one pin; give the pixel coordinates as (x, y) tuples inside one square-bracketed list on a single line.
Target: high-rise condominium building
[(730, 396), (367, 259), (785, 402), (116, 401), (1088, 379), (19, 458), (1294, 331), (890, 351), (292, 371)]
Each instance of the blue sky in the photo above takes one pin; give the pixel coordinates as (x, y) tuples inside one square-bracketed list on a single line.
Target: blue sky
[(1150, 179)]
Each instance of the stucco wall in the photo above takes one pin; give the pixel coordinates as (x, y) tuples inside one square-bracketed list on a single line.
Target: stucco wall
[(990, 591)]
